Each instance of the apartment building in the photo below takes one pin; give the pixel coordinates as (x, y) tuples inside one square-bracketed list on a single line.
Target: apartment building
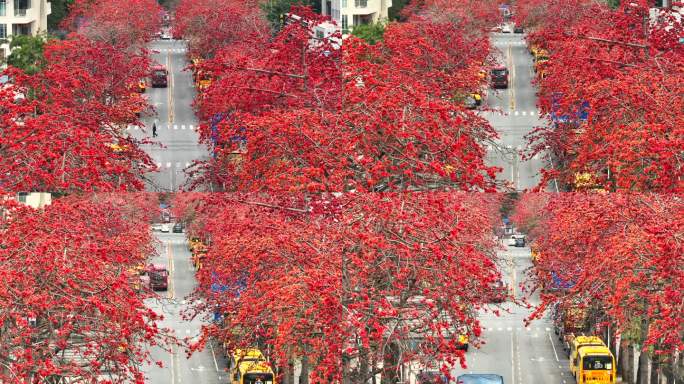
[(349, 13), (21, 17)]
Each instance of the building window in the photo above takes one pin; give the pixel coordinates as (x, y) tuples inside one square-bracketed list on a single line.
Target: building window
[(3, 7), (3, 31), (345, 24), (361, 3), (20, 7), (21, 197), (344, 3), (21, 29)]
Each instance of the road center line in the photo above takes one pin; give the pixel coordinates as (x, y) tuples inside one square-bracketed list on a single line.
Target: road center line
[(511, 85), (170, 85), (169, 254)]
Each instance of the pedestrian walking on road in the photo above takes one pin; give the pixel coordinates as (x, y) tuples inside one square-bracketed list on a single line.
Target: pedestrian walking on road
[(154, 129)]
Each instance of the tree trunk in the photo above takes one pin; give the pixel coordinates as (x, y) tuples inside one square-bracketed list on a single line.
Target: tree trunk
[(390, 365), (304, 375), (655, 371), (288, 373), (642, 368), (627, 362)]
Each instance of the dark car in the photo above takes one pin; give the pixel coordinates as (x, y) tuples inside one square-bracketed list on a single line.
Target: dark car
[(518, 29), (499, 76), (499, 292), (520, 241), (159, 276), (160, 76), (178, 228)]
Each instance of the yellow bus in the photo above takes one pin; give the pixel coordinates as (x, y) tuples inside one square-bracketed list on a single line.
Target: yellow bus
[(594, 365), (579, 342), (249, 366)]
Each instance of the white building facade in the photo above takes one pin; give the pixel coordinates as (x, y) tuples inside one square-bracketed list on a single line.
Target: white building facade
[(21, 17), (349, 13)]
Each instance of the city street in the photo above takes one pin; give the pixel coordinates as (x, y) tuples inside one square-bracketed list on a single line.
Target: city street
[(207, 366), (176, 123), (514, 114), (522, 355)]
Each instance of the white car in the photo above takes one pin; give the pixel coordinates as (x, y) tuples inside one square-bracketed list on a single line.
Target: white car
[(165, 228), (512, 240), (506, 28)]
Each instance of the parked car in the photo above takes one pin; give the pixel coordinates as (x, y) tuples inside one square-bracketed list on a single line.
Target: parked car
[(159, 277), (178, 228), (518, 29), (165, 228), (499, 77), (473, 100), (463, 342), (506, 28)]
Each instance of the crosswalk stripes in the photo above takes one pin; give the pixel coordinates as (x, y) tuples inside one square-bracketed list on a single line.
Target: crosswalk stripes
[(509, 42), (178, 165), (171, 50), (509, 113), (518, 329)]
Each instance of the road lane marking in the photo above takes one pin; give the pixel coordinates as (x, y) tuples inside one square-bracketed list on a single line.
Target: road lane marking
[(511, 85), (553, 346), (211, 347), (171, 287), (512, 359), (170, 86)]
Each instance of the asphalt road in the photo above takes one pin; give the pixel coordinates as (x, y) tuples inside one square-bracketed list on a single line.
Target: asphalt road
[(177, 144), (513, 114), (206, 366), (522, 355)]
